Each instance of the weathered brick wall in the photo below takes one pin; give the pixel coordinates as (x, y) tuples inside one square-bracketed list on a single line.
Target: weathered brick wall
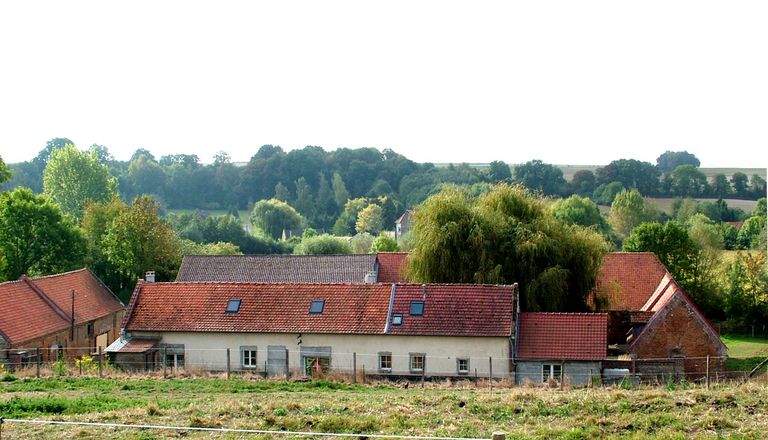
[(679, 333)]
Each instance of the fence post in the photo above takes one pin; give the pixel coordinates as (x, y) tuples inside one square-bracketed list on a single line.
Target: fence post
[(363, 374), (632, 379), (229, 367), (490, 373), (707, 372), (101, 371), (354, 367), (288, 365), (37, 366), (423, 370), (165, 363)]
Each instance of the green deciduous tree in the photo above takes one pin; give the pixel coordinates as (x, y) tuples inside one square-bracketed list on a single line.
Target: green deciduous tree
[(746, 290), (632, 173), (539, 176), (670, 160), (688, 181), (628, 210), (720, 186), (739, 182), (5, 174), (498, 171), (272, 216), (340, 193), (752, 233), (384, 243), (583, 183), (369, 220), (35, 237), (577, 210), (138, 240), (505, 236), (73, 179), (323, 245), (189, 247)]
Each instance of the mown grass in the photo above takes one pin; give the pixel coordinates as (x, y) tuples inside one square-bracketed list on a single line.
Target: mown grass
[(461, 410), (745, 346)]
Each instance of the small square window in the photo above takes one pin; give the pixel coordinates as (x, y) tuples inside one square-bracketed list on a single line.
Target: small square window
[(462, 365), (551, 371), (417, 362), (397, 319), (385, 361), (233, 306), (317, 306), (417, 308), (249, 357)]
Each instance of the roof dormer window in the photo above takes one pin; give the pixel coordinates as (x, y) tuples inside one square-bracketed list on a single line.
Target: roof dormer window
[(417, 308), (317, 306)]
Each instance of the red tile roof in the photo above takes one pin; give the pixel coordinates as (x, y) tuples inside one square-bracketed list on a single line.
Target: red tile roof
[(562, 336), (392, 267), (628, 279), (33, 308), (464, 310), (455, 310), (137, 345), (93, 299)]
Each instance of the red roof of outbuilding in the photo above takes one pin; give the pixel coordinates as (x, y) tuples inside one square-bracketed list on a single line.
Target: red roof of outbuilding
[(33, 308), (462, 310), (392, 267), (628, 279), (562, 336)]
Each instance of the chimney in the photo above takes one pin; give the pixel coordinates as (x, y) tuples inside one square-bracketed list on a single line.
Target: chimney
[(370, 278), (150, 276)]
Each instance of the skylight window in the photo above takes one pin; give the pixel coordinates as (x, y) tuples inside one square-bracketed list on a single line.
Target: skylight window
[(233, 306), (417, 308), (397, 319), (317, 306)]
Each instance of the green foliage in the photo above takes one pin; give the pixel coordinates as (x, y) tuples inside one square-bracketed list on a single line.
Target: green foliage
[(752, 234), (5, 174), (498, 171), (746, 292), (505, 236), (189, 247), (577, 210), (670, 160), (692, 266), (539, 176), (137, 240), (628, 210), (145, 176), (73, 179), (345, 224), (760, 208), (340, 193), (369, 220), (633, 174), (361, 243), (323, 245), (273, 216), (384, 243), (605, 193), (739, 183), (35, 237), (86, 364), (60, 367), (583, 183), (687, 180)]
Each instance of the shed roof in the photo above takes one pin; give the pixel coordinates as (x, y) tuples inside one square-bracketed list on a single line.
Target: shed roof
[(562, 336), (628, 279)]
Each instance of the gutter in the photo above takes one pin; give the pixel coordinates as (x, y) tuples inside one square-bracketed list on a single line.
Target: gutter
[(389, 309)]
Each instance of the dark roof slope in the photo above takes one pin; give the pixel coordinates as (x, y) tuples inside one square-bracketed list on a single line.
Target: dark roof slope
[(277, 268), (562, 336), (461, 310)]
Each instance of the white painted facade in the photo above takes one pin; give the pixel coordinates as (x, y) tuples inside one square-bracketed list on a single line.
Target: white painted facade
[(441, 353)]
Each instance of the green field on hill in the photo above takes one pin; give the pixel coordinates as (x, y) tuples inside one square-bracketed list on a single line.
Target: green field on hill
[(459, 409)]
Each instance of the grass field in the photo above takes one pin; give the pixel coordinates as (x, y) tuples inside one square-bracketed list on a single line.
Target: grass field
[(665, 204), (744, 346), (459, 410)]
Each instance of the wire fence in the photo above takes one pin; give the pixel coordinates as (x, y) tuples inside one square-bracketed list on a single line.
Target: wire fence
[(321, 362)]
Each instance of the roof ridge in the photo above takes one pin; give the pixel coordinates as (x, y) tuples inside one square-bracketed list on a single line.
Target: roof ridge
[(566, 313), (293, 283), (60, 274), (283, 255)]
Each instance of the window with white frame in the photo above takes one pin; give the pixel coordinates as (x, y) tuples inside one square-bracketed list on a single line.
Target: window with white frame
[(551, 371), (248, 357), (417, 362), (174, 360), (462, 365), (385, 361)]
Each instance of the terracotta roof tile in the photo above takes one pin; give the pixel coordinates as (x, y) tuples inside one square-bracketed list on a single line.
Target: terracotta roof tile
[(454, 310), (277, 268), (563, 336), (137, 345), (32, 308), (628, 279), (392, 267)]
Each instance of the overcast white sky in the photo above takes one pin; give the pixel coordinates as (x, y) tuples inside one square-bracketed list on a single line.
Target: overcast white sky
[(571, 82)]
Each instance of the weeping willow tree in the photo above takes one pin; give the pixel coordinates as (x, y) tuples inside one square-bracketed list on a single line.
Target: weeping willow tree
[(501, 237)]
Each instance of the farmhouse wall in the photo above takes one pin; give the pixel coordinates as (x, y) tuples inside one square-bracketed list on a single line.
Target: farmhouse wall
[(576, 372), (208, 351)]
